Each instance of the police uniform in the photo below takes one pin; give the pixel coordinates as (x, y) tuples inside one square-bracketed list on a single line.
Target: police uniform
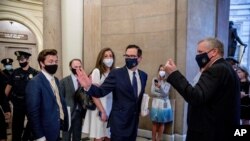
[(4, 107), (18, 81), (6, 62)]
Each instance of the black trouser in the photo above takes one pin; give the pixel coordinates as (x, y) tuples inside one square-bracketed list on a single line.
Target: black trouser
[(3, 126), (27, 133), (75, 129), (17, 123)]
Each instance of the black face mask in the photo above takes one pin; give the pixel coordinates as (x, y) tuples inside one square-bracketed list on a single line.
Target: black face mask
[(22, 65), (73, 71), (131, 62), (51, 69), (202, 60)]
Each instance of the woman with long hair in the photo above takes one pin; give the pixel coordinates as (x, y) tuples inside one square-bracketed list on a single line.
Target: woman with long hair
[(95, 123), (161, 111)]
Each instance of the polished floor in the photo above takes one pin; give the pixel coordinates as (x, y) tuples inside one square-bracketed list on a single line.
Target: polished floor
[(84, 137)]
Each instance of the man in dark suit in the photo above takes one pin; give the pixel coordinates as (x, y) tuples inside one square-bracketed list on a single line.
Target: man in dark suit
[(214, 102), (68, 87), (46, 108), (127, 85)]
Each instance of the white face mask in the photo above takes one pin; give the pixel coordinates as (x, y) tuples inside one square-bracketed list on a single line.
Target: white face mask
[(162, 73), (8, 67), (108, 62)]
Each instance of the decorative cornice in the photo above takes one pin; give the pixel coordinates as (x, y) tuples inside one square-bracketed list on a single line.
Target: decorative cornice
[(37, 2)]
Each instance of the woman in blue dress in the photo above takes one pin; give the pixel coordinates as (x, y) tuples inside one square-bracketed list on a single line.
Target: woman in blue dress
[(161, 111)]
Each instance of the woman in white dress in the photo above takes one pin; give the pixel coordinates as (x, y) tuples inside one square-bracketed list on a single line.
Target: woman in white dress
[(95, 123), (161, 111)]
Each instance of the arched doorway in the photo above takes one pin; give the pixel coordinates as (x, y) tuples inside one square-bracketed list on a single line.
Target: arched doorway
[(16, 36)]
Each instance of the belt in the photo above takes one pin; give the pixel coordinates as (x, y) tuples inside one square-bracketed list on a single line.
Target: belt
[(18, 97)]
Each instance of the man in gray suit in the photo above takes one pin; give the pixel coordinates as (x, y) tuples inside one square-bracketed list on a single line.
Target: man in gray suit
[(68, 87)]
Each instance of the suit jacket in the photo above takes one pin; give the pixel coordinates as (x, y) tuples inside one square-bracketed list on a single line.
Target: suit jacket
[(43, 110), (68, 92), (124, 116), (213, 102)]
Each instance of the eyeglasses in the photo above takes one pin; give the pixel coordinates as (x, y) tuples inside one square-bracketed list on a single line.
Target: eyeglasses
[(129, 56)]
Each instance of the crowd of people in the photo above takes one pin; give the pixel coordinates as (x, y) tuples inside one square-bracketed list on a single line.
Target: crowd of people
[(217, 99)]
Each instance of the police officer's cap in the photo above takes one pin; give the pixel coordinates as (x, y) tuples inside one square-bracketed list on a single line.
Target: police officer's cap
[(232, 59), (7, 61), (21, 55)]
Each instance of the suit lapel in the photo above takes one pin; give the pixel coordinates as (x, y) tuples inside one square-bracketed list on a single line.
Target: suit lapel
[(47, 86), (143, 82), (71, 84)]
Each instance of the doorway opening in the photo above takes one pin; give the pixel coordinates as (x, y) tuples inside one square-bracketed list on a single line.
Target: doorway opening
[(15, 36), (240, 15)]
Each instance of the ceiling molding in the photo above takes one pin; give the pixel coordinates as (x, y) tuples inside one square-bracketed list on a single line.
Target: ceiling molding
[(32, 2)]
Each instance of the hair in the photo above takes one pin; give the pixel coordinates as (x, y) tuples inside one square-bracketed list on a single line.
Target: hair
[(214, 43), (244, 69), (161, 65), (42, 55), (99, 62), (139, 51), (75, 59)]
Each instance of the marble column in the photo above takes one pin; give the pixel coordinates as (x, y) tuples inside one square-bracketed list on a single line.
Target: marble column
[(52, 36), (92, 32), (72, 32)]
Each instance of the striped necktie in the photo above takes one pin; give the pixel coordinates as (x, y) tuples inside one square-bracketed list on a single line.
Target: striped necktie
[(58, 100)]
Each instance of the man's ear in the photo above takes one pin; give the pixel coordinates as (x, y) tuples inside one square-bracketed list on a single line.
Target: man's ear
[(139, 59), (41, 64)]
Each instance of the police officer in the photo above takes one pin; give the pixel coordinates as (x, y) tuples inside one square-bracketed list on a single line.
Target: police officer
[(7, 63), (4, 108), (17, 83)]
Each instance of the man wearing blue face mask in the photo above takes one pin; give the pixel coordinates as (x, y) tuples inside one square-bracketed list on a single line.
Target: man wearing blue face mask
[(7, 63), (127, 85), (214, 100), (16, 89)]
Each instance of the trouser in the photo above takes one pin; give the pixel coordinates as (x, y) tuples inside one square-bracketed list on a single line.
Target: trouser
[(122, 138), (17, 123), (27, 133), (3, 126), (75, 130)]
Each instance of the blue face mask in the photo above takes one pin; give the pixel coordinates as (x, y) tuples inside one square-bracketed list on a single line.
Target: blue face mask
[(203, 59), (8, 67), (131, 62)]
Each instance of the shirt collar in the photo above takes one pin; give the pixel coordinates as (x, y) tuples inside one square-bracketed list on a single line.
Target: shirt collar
[(47, 75), (131, 72), (73, 76)]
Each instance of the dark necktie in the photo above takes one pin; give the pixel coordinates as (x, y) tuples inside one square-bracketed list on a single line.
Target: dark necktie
[(134, 84), (78, 84)]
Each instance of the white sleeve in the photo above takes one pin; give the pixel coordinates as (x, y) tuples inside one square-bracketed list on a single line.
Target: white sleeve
[(96, 76), (165, 87)]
